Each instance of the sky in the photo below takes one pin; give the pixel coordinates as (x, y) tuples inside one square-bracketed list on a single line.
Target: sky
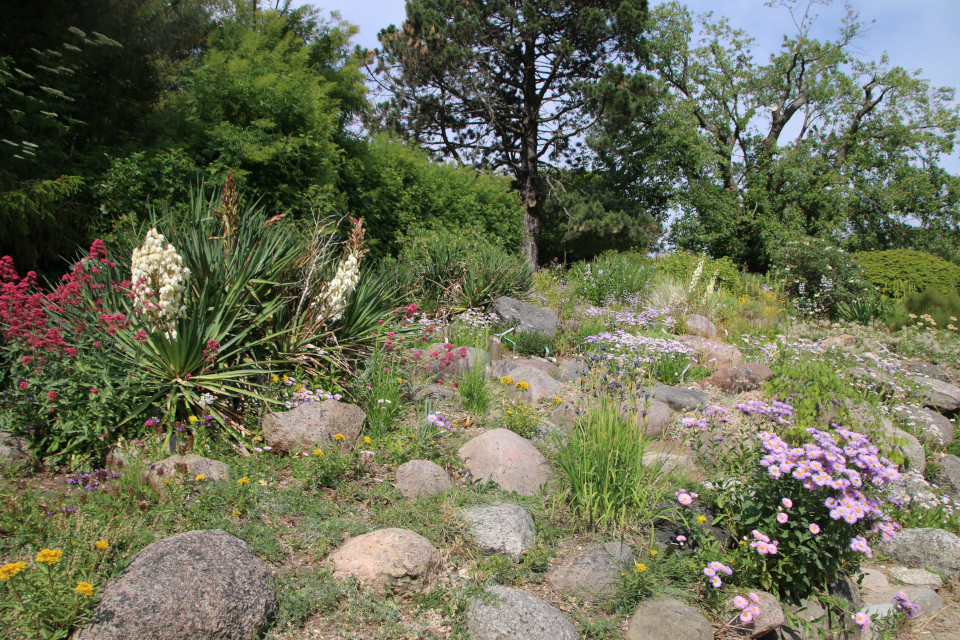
[(917, 34)]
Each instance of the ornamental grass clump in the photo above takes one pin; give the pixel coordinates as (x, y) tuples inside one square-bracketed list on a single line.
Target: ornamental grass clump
[(805, 513)]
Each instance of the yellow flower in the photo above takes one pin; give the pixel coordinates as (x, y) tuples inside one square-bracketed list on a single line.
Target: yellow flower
[(399, 379), (701, 519), (510, 411), (103, 544), (193, 419), (257, 438), (641, 567), (318, 452), (285, 378), (274, 379), (236, 513), (522, 385), (243, 480), (367, 440), (200, 478), (298, 388), (166, 481), (7, 571), (84, 588), (653, 553), (339, 437), (49, 556), (506, 380), (557, 399)]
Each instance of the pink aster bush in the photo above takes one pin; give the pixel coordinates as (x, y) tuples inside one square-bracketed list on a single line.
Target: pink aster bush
[(795, 545)]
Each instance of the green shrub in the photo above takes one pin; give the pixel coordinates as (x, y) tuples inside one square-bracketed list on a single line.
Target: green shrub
[(817, 275), (683, 264), (899, 271), (613, 277), (931, 303), (459, 271)]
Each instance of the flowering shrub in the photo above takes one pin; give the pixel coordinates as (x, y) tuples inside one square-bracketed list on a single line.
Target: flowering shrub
[(611, 278), (66, 389), (806, 512)]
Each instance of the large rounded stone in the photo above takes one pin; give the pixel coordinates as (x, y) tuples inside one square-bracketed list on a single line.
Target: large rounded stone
[(700, 326), (510, 614), (502, 527), (199, 584), (926, 424), (421, 478), (188, 467), (507, 459), (313, 424), (540, 386), (388, 560), (938, 394), (525, 316), (592, 573), (948, 477), (926, 549), (668, 620), (13, 449), (738, 378), (652, 416), (678, 398), (771, 615), (712, 353)]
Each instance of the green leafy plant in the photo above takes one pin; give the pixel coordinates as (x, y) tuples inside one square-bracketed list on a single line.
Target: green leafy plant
[(612, 277), (519, 417), (475, 394), (896, 272)]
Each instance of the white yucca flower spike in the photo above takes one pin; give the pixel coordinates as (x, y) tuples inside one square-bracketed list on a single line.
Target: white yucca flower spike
[(159, 280)]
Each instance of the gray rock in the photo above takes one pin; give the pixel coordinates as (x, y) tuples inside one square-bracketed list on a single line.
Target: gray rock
[(948, 477), (565, 415), (881, 610), (926, 424), (678, 398), (810, 610), (388, 561), (668, 620), (313, 424), (916, 577), (934, 549), (653, 417), (421, 478), (771, 615), (526, 316), (929, 600), (199, 584), (435, 393), (13, 449), (592, 573), (541, 386), (509, 460), (510, 614), (502, 527), (669, 462), (738, 378), (712, 353), (505, 367), (172, 469), (930, 371), (701, 326), (938, 394), (569, 371), (911, 448)]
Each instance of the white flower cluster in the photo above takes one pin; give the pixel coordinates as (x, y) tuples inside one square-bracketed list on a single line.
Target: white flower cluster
[(338, 290), (159, 279)]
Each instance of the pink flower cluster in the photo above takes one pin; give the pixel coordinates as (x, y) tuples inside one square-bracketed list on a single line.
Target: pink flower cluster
[(713, 571), (859, 543), (763, 544), (749, 609), (686, 498)]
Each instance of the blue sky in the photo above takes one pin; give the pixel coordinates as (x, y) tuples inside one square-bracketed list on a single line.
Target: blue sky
[(917, 35)]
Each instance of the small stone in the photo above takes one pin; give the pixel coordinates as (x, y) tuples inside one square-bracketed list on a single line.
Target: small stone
[(669, 462), (929, 600), (874, 579), (313, 424), (502, 527), (593, 573), (509, 460), (738, 378), (421, 478), (435, 392), (771, 615), (948, 477), (388, 560), (13, 449), (570, 370), (171, 469), (701, 326), (565, 415), (668, 620), (916, 577), (511, 614)]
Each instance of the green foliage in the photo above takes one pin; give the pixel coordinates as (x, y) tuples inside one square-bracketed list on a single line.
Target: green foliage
[(613, 277), (458, 271), (897, 272), (817, 274), (810, 386), (519, 417), (683, 264), (530, 343), (868, 308), (931, 307), (475, 394), (328, 466), (607, 485)]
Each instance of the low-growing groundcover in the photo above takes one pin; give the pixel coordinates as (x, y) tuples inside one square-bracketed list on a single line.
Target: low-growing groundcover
[(801, 500)]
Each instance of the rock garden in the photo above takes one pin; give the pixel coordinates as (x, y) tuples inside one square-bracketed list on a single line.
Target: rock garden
[(226, 438)]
